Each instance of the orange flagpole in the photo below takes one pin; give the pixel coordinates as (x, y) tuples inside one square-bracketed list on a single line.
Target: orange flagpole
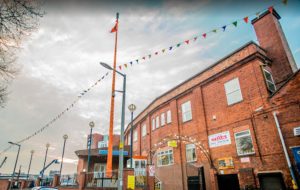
[(112, 108)]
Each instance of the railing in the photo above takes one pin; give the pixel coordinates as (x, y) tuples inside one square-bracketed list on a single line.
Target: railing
[(68, 180), (98, 179)]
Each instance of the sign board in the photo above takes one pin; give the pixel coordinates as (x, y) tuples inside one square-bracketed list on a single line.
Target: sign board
[(172, 143), (114, 153), (297, 131), (130, 182), (225, 163), (151, 170), (219, 139), (245, 159)]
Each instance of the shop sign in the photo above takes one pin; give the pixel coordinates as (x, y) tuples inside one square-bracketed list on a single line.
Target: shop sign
[(225, 163), (172, 143), (131, 182), (219, 139), (245, 159)]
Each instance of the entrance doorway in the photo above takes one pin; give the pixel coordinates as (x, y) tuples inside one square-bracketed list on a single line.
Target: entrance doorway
[(197, 182), (271, 181), (228, 181)]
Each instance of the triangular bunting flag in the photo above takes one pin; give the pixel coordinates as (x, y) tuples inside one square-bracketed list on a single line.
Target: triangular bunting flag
[(170, 48), (215, 30), (235, 23), (187, 41), (224, 27), (163, 50), (120, 67), (195, 38), (125, 65), (178, 45), (204, 35), (271, 9), (115, 28), (149, 56), (131, 63), (246, 19), (156, 53), (144, 58), (137, 61)]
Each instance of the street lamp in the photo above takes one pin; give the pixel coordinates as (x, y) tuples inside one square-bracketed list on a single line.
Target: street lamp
[(131, 108), (47, 147), (121, 146), (65, 137), (12, 178), (91, 124), (31, 152)]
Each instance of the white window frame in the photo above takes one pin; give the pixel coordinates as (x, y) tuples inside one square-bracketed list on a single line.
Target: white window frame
[(190, 149), (238, 136), (129, 139), (165, 153), (135, 135), (269, 82), (186, 111), (153, 124), (157, 122), (169, 116), (235, 91), (144, 130), (162, 119)]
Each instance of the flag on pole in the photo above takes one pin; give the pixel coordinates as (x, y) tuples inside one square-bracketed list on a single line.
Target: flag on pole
[(115, 28)]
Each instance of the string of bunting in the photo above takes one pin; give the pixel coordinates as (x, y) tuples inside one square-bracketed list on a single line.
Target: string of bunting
[(143, 58), (194, 39), (67, 109)]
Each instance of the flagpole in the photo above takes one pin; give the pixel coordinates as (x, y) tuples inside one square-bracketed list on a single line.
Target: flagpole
[(112, 108)]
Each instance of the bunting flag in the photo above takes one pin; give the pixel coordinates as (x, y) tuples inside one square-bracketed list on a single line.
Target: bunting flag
[(224, 27), (149, 56), (195, 38), (235, 23), (163, 50), (125, 65), (131, 63), (120, 67), (204, 35), (215, 30), (246, 19), (170, 48), (178, 45), (284, 2), (187, 41)]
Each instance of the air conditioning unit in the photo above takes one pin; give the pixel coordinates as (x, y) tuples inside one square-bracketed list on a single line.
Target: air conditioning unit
[(297, 131)]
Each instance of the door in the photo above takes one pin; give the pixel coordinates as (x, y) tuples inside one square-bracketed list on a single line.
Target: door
[(228, 181), (197, 182), (271, 181)]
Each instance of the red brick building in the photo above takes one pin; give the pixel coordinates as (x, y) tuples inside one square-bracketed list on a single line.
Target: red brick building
[(217, 129)]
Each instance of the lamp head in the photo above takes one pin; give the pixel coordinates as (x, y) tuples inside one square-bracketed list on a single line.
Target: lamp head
[(132, 107), (65, 136), (106, 66), (32, 151), (47, 145), (91, 124)]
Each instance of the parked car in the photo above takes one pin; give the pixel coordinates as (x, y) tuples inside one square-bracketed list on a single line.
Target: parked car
[(44, 188)]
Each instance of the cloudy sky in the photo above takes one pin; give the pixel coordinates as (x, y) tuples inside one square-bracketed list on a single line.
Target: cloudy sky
[(61, 59)]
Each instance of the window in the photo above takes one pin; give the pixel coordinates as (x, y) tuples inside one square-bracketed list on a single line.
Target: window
[(162, 119), (233, 91), (190, 152), (169, 119), (153, 124), (243, 141), (157, 121), (186, 111), (128, 139), (269, 80), (144, 130), (165, 158), (135, 135)]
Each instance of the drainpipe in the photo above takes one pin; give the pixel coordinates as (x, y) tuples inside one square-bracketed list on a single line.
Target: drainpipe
[(285, 151)]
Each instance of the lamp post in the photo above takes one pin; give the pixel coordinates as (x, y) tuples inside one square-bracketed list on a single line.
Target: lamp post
[(13, 174), (47, 147), (31, 152), (91, 124), (131, 108), (121, 146), (65, 137)]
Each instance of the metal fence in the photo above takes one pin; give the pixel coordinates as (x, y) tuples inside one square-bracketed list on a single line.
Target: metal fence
[(69, 180), (98, 179)]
